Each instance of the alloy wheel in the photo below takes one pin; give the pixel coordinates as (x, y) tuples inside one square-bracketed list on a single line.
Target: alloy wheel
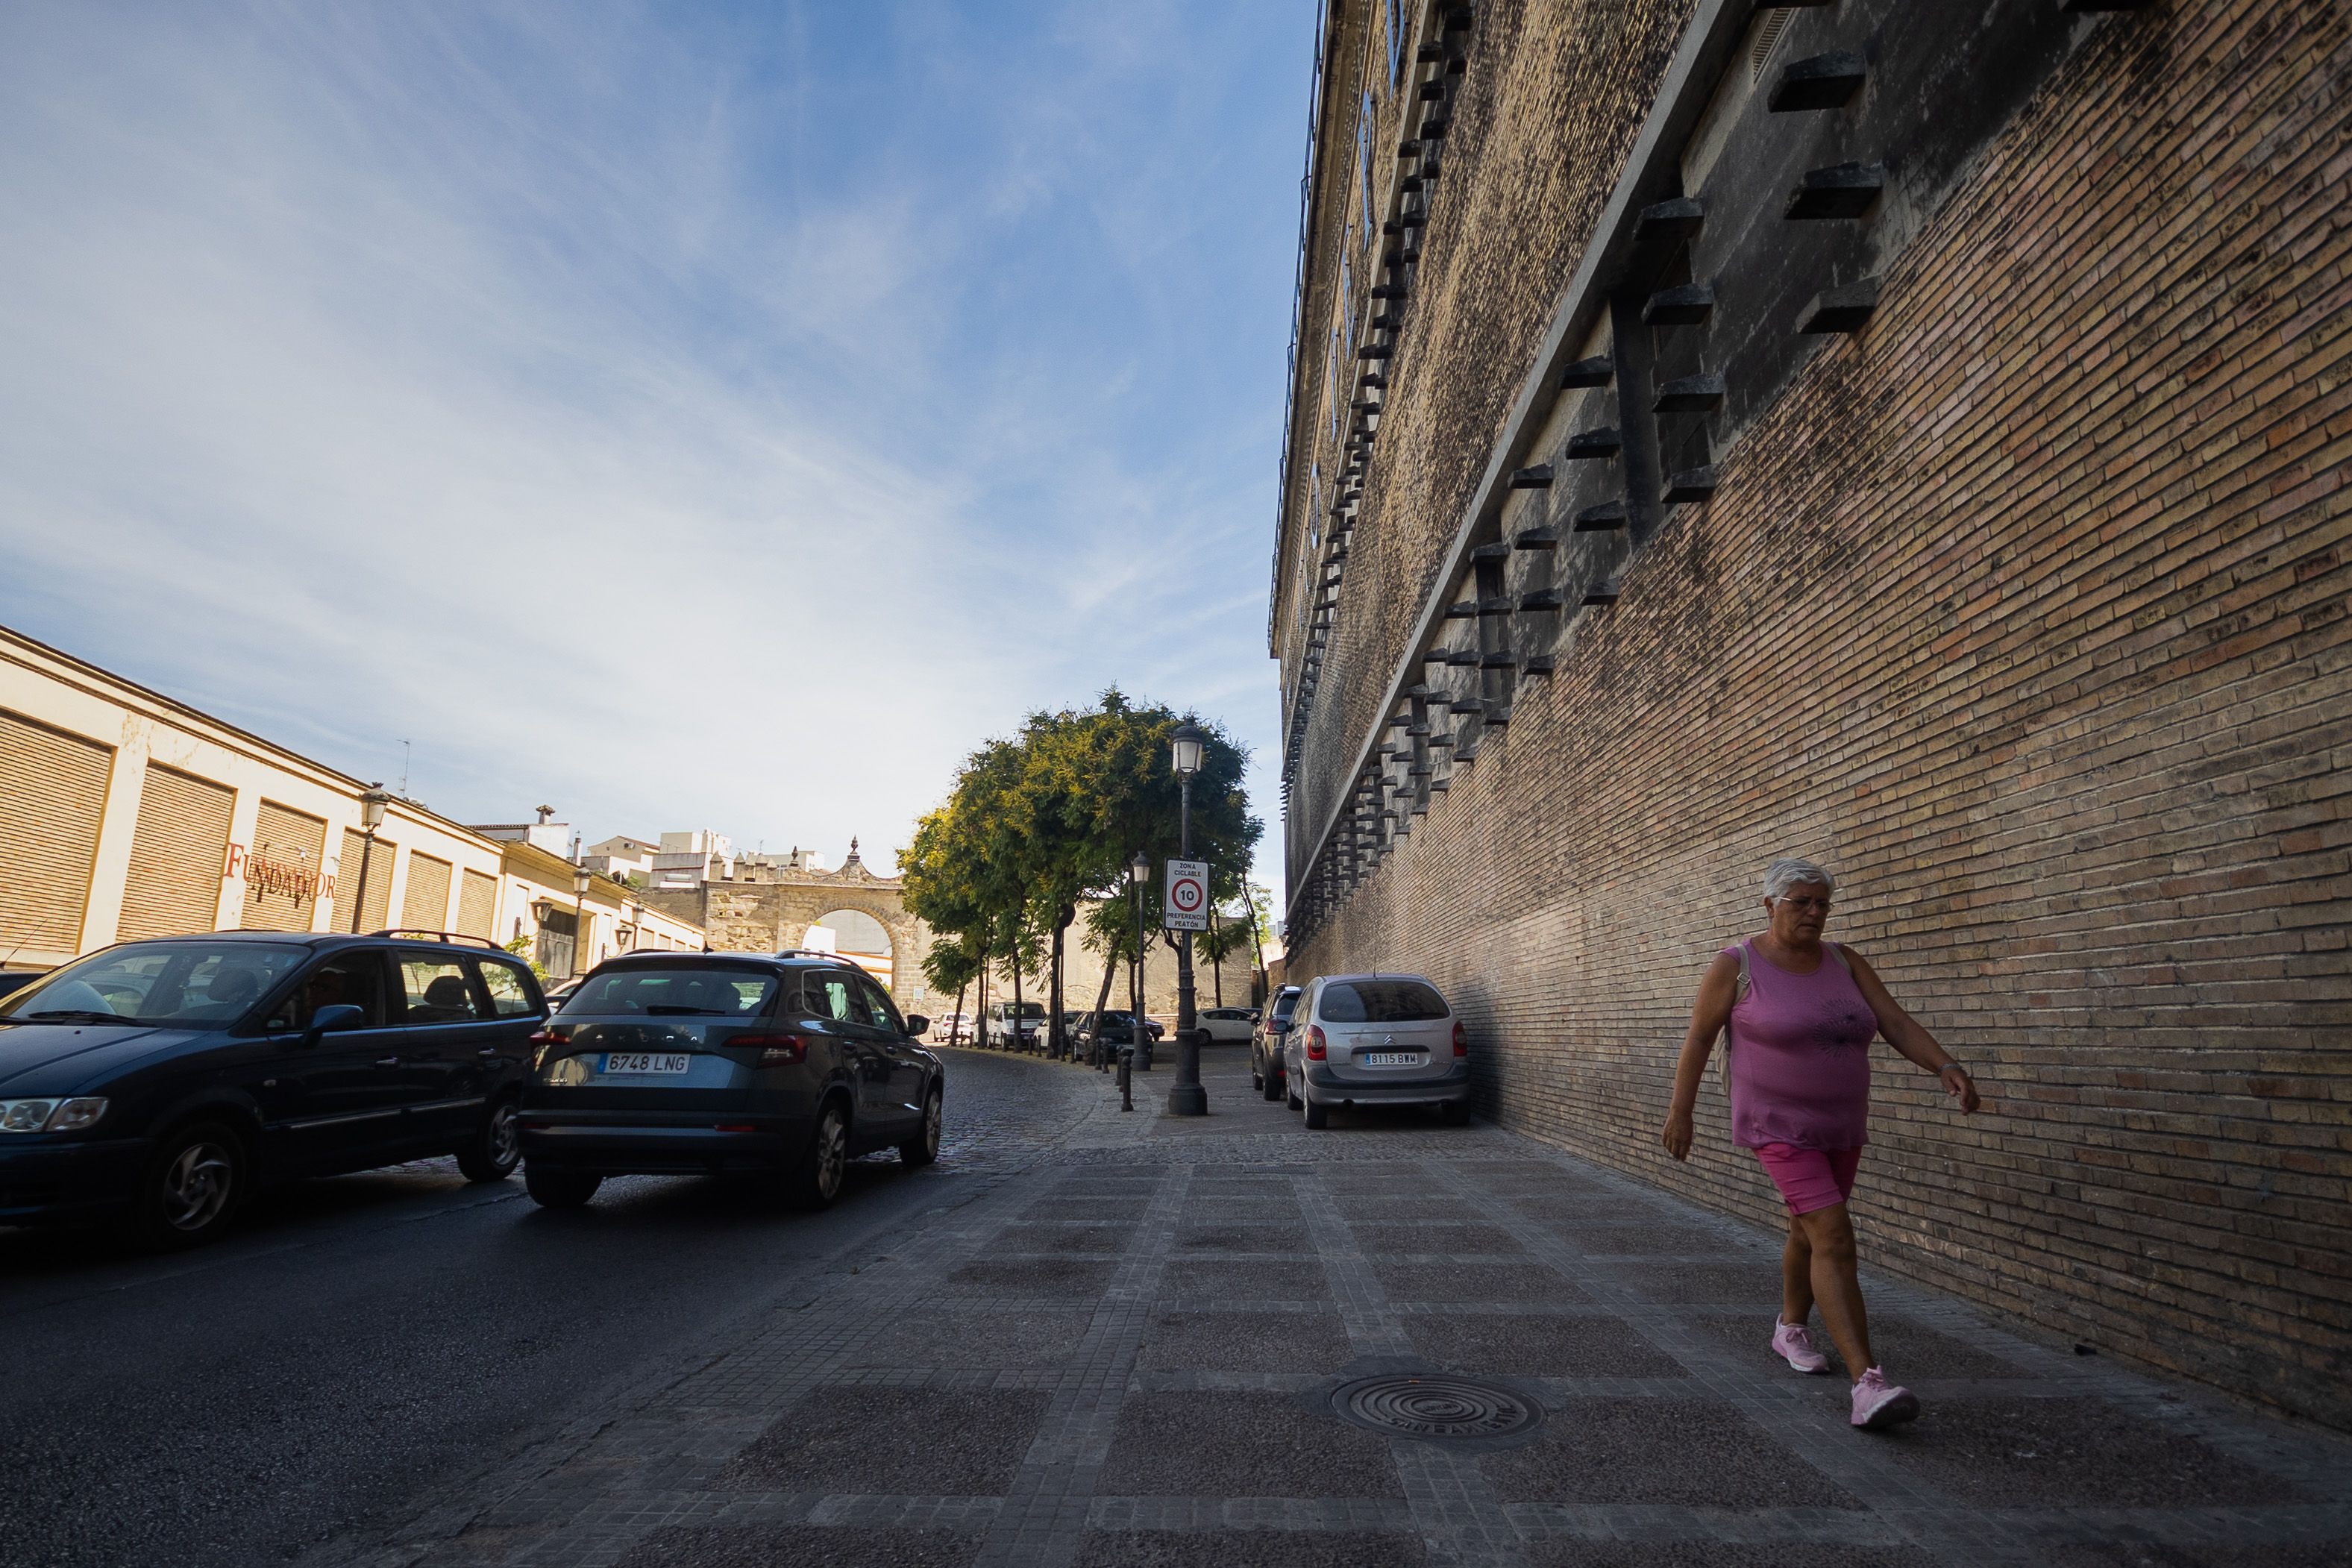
[(506, 1134), (831, 1155), (931, 1125), (196, 1186)]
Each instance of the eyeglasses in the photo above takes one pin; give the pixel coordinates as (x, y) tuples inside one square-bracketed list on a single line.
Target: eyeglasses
[(1790, 899)]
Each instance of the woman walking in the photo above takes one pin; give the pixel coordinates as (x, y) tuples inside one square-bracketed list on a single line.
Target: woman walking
[(1802, 1012)]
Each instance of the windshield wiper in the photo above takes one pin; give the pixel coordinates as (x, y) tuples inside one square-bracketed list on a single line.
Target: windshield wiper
[(81, 1016), (667, 1010)]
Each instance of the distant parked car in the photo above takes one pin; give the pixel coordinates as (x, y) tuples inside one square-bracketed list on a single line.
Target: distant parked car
[(1265, 1043), (955, 1029), (1015, 1026), (158, 1082), (783, 1066), (1227, 1025), (1115, 1026), (1375, 1039)]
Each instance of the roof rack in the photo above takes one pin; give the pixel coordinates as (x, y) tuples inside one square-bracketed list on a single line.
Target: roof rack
[(415, 934)]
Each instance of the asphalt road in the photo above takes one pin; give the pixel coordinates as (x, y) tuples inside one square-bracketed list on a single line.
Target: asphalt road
[(364, 1339)]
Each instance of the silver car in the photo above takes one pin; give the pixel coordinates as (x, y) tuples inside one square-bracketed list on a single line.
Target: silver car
[(1376, 1039)]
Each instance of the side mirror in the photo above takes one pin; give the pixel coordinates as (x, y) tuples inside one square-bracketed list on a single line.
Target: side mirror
[(917, 1023), (327, 1020)]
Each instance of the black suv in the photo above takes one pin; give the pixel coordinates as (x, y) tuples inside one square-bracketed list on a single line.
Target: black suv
[(158, 1082), (782, 1067), (1266, 1042)]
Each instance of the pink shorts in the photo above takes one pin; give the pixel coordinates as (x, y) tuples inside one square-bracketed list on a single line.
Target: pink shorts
[(1809, 1179)]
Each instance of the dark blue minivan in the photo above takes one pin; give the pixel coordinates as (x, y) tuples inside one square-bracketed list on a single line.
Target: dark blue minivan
[(158, 1082)]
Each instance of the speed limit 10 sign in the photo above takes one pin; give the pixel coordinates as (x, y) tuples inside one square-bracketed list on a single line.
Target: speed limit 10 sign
[(1188, 895)]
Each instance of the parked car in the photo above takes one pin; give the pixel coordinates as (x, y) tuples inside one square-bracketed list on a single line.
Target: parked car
[(1015, 1026), (158, 1082), (1265, 1043), (1227, 1025), (781, 1067), (955, 1028), (1115, 1026), (1375, 1039)]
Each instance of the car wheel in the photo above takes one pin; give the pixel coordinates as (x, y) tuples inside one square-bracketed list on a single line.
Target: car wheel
[(1273, 1085), (1317, 1116), (559, 1189), (815, 1182), (192, 1188), (495, 1150), (1454, 1113), (924, 1146)]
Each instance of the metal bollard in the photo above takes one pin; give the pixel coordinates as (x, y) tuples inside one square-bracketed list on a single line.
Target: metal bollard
[(1126, 1078)]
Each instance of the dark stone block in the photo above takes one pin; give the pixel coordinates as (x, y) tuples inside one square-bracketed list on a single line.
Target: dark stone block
[(1041, 1277), (1839, 191), (1218, 1280), (1600, 443), (1062, 1238), (902, 1440), (948, 1338), (1602, 593), (1497, 552), (1218, 1443), (1689, 395), (1435, 1239), (1540, 599), (1824, 82), (1250, 1549), (1669, 221), (1531, 478), (1536, 539), (801, 1546), (1845, 309), (1690, 485), (1246, 1341), (1606, 518), (2098, 6), (2011, 1453), (1538, 1345), (1504, 1284), (1686, 1452), (1594, 371), (1685, 305)]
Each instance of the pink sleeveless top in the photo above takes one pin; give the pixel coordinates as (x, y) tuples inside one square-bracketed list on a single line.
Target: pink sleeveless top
[(1801, 1056)]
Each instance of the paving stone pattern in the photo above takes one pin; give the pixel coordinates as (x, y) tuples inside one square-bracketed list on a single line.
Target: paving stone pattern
[(996, 1393)]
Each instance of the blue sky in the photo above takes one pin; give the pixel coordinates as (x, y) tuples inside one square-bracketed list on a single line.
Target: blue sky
[(684, 415)]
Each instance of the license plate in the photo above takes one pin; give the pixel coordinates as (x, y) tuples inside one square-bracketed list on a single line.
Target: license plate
[(1388, 1059), (645, 1062)]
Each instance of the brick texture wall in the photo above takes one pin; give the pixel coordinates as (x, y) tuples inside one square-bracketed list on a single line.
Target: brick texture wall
[(2024, 610)]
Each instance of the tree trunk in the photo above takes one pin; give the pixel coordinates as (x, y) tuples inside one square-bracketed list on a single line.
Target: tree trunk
[(961, 991), (1217, 964), (1012, 1024), (1258, 987), (1058, 1036), (1102, 1000)]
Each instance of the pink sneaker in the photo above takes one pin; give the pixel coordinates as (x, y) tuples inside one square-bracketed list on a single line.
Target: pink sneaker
[(1878, 1403), (1792, 1344)]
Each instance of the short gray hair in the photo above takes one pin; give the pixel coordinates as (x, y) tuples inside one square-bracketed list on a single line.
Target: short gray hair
[(1789, 871)]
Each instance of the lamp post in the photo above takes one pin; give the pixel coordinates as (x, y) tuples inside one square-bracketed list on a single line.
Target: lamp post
[(1188, 1097), (580, 874), (1138, 872), (371, 807)]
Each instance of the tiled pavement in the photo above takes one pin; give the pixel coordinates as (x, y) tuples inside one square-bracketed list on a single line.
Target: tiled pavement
[(1120, 1350)]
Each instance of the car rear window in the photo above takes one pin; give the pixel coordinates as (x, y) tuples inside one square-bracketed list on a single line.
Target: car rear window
[(1286, 1005), (687, 991), (1379, 1002)]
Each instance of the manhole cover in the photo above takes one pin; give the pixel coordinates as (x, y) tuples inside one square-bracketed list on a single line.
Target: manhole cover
[(1434, 1406)]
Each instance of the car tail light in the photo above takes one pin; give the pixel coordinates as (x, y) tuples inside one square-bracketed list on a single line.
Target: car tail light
[(1314, 1047), (734, 1127), (544, 1040), (775, 1050), (1461, 1040)]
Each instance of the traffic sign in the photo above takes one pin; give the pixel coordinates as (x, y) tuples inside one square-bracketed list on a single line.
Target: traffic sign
[(1188, 895)]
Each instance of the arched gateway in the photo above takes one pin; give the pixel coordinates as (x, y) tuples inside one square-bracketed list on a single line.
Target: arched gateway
[(770, 908)]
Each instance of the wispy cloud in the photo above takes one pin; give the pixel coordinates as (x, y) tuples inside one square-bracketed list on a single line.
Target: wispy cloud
[(704, 417)]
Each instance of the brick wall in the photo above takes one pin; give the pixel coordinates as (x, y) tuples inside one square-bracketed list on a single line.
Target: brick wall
[(2024, 610)]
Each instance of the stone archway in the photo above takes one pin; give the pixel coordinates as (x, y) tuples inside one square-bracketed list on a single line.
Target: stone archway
[(860, 937)]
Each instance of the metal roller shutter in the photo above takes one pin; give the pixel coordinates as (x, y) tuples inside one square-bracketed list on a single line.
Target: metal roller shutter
[(281, 875), (426, 905), (52, 800), (176, 856), (375, 899), (477, 904)]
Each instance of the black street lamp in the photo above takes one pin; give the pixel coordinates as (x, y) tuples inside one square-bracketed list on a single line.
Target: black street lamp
[(579, 876), (1188, 1097), (371, 809), (1138, 872)]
